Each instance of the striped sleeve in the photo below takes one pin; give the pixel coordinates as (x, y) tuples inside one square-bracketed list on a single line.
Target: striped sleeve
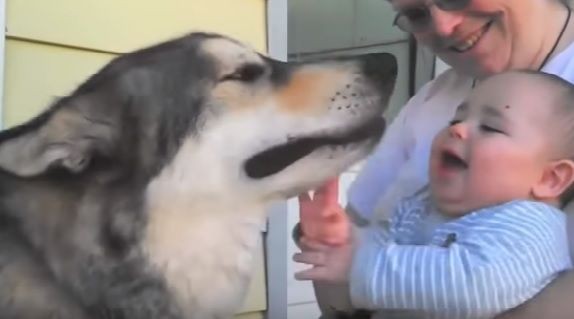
[(500, 259)]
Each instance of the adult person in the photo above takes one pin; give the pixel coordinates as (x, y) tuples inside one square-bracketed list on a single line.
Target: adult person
[(477, 38)]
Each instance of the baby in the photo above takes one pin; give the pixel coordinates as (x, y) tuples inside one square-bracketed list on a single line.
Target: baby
[(488, 233)]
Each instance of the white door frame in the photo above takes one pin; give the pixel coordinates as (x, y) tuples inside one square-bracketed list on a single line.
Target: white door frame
[(2, 58), (277, 232)]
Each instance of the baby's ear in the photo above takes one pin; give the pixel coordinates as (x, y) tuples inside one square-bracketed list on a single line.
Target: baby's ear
[(556, 179)]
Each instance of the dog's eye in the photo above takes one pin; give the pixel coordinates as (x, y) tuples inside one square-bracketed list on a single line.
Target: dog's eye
[(246, 73)]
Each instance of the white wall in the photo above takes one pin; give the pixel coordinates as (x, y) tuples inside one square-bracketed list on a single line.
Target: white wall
[(440, 66)]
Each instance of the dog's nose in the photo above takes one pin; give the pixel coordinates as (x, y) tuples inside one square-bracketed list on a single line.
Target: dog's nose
[(380, 67)]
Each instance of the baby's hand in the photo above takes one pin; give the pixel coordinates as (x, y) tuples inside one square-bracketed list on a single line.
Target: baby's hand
[(331, 263), (322, 218)]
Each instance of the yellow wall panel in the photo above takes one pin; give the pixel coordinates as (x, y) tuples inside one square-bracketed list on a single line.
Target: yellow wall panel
[(36, 74), (122, 26), (256, 299), (250, 315), (55, 45)]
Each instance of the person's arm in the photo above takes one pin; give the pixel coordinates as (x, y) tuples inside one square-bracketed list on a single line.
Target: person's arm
[(556, 301), (331, 222), (324, 220), (494, 265)]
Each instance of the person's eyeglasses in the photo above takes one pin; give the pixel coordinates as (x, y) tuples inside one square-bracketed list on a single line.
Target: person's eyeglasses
[(416, 18)]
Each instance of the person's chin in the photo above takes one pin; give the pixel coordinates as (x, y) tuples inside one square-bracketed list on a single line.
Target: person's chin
[(479, 61)]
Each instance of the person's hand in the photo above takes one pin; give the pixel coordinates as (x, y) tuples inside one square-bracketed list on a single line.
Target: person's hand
[(331, 263), (322, 218)]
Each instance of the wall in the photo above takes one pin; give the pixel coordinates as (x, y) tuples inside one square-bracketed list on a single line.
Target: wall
[(53, 45)]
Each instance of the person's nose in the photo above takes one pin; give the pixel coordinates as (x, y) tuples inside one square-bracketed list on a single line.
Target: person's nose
[(445, 22), (459, 130)]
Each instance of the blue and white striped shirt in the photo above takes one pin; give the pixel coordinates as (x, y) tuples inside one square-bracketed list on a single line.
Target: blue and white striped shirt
[(476, 266)]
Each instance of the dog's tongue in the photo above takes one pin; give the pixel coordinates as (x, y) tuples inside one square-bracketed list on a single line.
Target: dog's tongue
[(277, 158)]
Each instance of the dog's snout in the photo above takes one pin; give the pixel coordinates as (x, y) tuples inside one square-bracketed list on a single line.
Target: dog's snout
[(380, 67)]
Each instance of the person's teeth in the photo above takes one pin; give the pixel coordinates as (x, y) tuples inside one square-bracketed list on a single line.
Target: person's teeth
[(468, 42)]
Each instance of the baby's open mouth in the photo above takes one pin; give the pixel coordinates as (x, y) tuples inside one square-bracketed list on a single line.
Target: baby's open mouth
[(452, 161)]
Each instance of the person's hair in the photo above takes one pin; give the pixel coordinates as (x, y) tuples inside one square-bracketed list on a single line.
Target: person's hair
[(563, 115)]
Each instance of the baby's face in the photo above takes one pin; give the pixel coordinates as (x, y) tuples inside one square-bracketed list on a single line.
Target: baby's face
[(496, 147)]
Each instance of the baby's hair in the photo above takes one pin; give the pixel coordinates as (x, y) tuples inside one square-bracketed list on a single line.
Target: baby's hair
[(563, 116)]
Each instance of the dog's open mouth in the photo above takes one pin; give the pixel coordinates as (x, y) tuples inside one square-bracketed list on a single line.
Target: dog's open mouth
[(277, 158)]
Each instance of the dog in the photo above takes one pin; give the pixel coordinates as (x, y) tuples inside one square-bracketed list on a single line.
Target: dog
[(142, 193)]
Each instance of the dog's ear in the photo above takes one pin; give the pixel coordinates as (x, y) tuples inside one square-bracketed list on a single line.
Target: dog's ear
[(66, 137)]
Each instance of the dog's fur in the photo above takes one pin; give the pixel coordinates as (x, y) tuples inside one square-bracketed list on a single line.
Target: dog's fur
[(142, 193)]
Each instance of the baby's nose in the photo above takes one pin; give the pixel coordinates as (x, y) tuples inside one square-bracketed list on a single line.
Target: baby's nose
[(459, 130)]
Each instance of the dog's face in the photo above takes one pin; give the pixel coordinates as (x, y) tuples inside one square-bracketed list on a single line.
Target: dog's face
[(205, 112), (283, 128)]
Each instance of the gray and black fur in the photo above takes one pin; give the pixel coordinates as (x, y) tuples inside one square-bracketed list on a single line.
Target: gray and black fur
[(75, 207)]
